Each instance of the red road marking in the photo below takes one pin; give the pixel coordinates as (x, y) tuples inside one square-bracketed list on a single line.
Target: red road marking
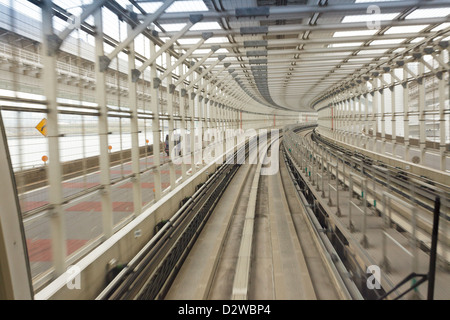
[(30, 205), (41, 249), (120, 171), (96, 206), (79, 185)]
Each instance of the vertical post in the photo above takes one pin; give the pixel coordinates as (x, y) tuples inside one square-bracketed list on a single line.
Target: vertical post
[(366, 119), (350, 197), (360, 120), (183, 124), (415, 257), (100, 78), (202, 122), (422, 133), (353, 119), (322, 170), (54, 168), (132, 101), (434, 239), (330, 170), (192, 125), (331, 110), (393, 117), (16, 282), (385, 261), (171, 121), (338, 212), (406, 113), (240, 120), (383, 122), (364, 240), (322, 154), (442, 121), (375, 102), (155, 127)]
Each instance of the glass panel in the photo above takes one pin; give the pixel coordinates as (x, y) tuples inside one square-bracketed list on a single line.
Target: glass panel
[(122, 200), (147, 185), (83, 221)]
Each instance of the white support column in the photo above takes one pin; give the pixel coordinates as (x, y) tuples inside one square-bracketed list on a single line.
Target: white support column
[(375, 102), (405, 87), (135, 154), (183, 123), (100, 91), (336, 118), (393, 88), (155, 127), (226, 115), (366, 119), (342, 117), (192, 125), (171, 122), (353, 119), (442, 121), (206, 102), (360, 120), (339, 118), (201, 121), (58, 227), (383, 122), (343, 122), (393, 120), (345, 103), (422, 124), (350, 118)]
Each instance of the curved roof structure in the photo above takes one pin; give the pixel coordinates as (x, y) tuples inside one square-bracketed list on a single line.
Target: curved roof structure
[(284, 54)]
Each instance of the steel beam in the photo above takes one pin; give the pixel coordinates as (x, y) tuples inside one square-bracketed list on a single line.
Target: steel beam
[(154, 92), (172, 175), (301, 11), (193, 20), (136, 31), (325, 41), (205, 72), (334, 27), (180, 60), (87, 11), (16, 282), (100, 90), (195, 66), (57, 220), (135, 154)]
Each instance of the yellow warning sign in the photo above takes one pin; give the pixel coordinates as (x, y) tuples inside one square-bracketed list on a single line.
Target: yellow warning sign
[(42, 127)]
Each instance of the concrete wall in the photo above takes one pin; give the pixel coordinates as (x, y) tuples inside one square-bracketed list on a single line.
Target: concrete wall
[(37, 177)]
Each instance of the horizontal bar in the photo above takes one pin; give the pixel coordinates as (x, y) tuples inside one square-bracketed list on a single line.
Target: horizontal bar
[(357, 207), (398, 244)]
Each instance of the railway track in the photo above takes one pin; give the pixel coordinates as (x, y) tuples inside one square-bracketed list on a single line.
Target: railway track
[(259, 248), (322, 171), (416, 190), (150, 273)]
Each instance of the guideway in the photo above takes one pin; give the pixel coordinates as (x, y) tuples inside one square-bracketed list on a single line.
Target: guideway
[(374, 224), (283, 261)]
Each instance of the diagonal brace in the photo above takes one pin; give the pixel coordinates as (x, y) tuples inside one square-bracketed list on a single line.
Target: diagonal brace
[(196, 65), (136, 31), (193, 20), (192, 84)]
